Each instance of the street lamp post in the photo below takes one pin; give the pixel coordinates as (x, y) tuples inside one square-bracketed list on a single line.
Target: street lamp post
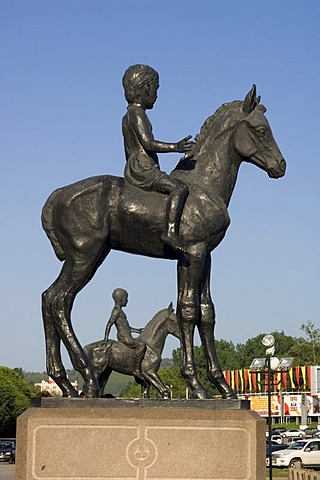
[(268, 342), (274, 365)]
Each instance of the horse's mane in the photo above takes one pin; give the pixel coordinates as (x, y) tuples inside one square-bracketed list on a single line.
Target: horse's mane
[(158, 314), (223, 119)]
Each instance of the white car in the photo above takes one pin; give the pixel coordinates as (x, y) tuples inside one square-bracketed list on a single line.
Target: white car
[(305, 451), (293, 433), (277, 439), (290, 440)]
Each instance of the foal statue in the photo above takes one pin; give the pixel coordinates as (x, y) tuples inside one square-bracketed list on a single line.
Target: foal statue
[(111, 355), (87, 219)]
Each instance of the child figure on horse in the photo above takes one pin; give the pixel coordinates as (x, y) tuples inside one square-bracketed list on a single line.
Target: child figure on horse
[(141, 84), (124, 331)]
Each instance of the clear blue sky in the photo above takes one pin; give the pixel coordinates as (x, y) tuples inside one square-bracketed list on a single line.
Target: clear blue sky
[(61, 109)]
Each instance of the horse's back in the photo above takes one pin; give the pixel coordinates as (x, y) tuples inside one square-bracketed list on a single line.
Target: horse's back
[(107, 210)]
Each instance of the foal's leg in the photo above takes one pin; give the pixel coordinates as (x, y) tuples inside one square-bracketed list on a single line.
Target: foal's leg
[(190, 267), (153, 378), (103, 380), (58, 299), (149, 370), (145, 389), (206, 329)]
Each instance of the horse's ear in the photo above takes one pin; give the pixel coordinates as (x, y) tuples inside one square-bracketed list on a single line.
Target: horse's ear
[(170, 307), (251, 101), (262, 108)]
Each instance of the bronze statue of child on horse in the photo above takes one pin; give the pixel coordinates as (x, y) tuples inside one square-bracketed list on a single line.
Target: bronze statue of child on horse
[(181, 217)]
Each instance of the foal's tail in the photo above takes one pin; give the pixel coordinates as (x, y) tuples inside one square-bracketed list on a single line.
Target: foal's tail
[(47, 224)]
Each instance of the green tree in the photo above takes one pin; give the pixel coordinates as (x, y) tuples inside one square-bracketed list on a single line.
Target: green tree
[(34, 377), (19, 371), (306, 351), (132, 390), (253, 347), (228, 355), (15, 398), (313, 340)]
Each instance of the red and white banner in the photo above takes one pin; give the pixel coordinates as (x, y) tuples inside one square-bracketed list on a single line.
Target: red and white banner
[(289, 405)]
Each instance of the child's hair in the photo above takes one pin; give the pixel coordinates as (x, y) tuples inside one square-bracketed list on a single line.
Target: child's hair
[(118, 293), (136, 77)]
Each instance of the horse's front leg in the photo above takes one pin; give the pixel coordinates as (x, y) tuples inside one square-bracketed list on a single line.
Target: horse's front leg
[(190, 268), (206, 329), (153, 378)]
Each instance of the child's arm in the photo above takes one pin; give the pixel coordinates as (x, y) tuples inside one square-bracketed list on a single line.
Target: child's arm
[(143, 130), (136, 330), (112, 320)]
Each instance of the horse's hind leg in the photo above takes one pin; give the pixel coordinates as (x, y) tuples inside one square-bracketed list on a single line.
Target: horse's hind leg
[(58, 300), (145, 389), (55, 367), (206, 329)]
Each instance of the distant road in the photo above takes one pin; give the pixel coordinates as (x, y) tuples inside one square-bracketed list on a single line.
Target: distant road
[(6, 471)]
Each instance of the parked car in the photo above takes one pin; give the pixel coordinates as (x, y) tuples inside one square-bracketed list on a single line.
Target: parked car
[(295, 432), (305, 451), (277, 439), (312, 432), (278, 430), (274, 447), (290, 440), (7, 452)]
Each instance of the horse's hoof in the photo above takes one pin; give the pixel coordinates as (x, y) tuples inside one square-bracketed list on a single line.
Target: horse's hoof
[(222, 386), (226, 391), (70, 393), (230, 395), (199, 394), (89, 392)]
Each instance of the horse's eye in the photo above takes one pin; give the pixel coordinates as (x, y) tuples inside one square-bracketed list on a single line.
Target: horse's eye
[(261, 130)]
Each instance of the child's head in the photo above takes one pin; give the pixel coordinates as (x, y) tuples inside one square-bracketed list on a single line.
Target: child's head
[(135, 79), (120, 296)]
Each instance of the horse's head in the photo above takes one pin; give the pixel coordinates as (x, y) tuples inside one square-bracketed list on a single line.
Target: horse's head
[(172, 322), (253, 139)]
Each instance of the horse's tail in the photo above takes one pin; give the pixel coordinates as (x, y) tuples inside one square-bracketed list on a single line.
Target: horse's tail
[(47, 224)]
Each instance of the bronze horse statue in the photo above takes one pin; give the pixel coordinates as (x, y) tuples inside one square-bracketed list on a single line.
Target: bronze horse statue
[(87, 219), (106, 356)]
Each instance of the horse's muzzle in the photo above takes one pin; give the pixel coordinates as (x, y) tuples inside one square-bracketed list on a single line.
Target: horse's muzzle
[(279, 171)]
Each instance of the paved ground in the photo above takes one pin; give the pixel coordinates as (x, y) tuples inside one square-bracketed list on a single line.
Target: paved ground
[(6, 471)]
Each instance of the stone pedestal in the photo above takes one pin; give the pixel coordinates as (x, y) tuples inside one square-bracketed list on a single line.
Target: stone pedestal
[(111, 439)]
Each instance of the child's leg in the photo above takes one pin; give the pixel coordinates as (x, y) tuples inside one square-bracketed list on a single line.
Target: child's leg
[(178, 193), (139, 351)]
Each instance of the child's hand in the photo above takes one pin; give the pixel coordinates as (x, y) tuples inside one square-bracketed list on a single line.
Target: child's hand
[(184, 145)]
